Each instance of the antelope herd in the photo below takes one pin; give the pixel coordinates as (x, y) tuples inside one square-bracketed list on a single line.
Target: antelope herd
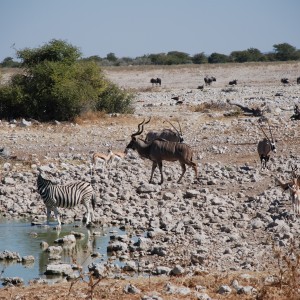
[(168, 145)]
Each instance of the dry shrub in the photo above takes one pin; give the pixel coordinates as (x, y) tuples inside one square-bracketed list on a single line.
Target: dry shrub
[(286, 284), (210, 106), (89, 116)]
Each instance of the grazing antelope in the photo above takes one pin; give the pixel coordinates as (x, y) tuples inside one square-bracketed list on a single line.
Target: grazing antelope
[(159, 150), (165, 134), (285, 81), (265, 147), (294, 187), (233, 82), (209, 80)]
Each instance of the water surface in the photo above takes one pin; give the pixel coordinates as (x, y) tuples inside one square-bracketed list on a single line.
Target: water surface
[(21, 237)]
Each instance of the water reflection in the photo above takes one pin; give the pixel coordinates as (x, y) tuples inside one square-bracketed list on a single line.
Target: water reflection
[(17, 236)]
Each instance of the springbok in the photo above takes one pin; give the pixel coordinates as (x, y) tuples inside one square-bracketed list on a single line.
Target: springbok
[(103, 158), (159, 150), (116, 156), (265, 147), (294, 187), (165, 134)]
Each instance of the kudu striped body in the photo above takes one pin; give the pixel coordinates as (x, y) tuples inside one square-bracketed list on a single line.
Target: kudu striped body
[(67, 196), (159, 150), (265, 147), (294, 187), (165, 134)]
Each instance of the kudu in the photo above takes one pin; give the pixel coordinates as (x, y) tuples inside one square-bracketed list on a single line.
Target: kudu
[(159, 150), (165, 134), (294, 187), (265, 147)]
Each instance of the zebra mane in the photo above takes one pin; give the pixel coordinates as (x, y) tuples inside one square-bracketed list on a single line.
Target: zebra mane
[(46, 178)]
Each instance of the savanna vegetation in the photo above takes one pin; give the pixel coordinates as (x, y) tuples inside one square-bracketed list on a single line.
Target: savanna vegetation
[(57, 85), (56, 82)]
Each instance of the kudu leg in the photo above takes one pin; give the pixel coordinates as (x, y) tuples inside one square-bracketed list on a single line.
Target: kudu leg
[(161, 173), (183, 168), (154, 164)]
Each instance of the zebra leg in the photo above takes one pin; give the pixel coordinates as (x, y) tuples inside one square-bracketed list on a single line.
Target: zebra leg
[(56, 213), (154, 164), (88, 218), (48, 215)]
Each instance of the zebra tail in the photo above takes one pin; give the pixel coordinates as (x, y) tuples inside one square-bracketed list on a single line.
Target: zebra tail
[(94, 201)]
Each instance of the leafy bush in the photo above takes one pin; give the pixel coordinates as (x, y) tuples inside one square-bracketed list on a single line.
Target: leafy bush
[(56, 85), (114, 100)]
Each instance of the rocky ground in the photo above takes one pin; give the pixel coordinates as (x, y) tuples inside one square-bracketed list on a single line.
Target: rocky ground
[(233, 220)]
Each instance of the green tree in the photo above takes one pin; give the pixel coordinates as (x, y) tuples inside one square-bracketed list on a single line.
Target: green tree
[(255, 55), (199, 58), (176, 58), (55, 85), (111, 57), (239, 56), (285, 52), (215, 58)]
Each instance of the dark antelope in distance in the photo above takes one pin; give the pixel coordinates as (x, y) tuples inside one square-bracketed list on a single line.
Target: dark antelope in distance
[(159, 150), (155, 81), (265, 147), (209, 80)]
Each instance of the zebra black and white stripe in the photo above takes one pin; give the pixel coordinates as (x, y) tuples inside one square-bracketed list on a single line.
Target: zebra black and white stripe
[(67, 196)]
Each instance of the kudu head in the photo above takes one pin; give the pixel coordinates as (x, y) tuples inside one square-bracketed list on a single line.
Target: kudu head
[(271, 141), (179, 132), (132, 144)]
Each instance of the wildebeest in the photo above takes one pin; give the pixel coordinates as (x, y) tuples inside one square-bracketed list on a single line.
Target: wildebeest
[(284, 80), (159, 150), (155, 81), (298, 80), (233, 82), (200, 87), (209, 80)]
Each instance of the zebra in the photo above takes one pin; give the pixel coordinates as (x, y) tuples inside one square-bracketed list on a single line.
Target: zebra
[(67, 196)]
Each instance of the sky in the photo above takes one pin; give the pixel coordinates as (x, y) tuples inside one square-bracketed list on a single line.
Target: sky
[(132, 28)]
